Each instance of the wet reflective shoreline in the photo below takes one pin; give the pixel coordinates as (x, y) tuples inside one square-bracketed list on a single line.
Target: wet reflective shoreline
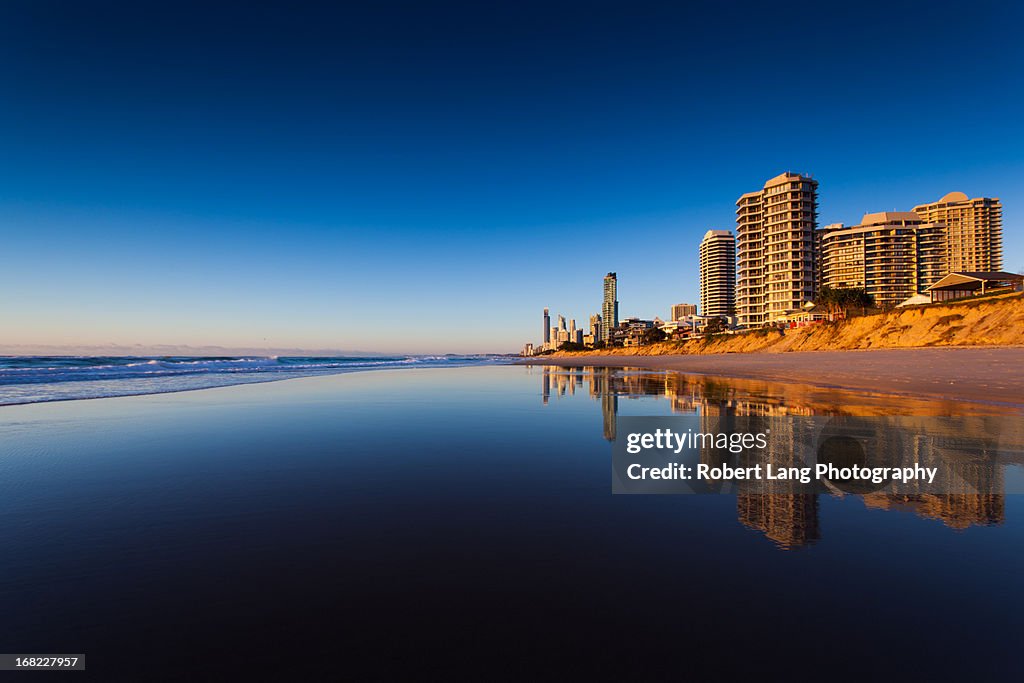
[(424, 522), (789, 518)]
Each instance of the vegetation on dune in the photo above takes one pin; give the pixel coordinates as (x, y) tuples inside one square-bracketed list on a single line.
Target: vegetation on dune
[(843, 299)]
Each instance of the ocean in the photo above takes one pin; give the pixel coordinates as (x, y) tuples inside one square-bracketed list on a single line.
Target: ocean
[(35, 379)]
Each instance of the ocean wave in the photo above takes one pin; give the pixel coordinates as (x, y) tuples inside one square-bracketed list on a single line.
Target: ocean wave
[(34, 379)]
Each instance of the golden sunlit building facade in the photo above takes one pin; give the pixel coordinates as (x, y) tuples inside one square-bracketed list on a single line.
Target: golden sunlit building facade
[(775, 233), (974, 231), (892, 255), (717, 273)]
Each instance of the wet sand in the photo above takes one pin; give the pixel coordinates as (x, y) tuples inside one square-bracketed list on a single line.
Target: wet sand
[(990, 374)]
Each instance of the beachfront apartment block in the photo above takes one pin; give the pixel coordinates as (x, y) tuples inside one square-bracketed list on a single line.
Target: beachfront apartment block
[(898, 254), (609, 307), (717, 275), (775, 233), (893, 255), (974, 231)]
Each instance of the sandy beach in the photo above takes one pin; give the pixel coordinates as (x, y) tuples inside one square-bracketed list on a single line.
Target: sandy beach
[(990, 374)]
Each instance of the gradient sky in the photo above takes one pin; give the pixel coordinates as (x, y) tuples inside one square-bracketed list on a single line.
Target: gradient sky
[(426, 177)]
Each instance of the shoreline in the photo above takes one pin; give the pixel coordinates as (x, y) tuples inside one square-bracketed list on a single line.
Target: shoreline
[(975, 374), (256, 379)]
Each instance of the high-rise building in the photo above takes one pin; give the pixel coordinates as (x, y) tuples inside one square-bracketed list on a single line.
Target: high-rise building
[(680, 311), (775, 248), (561, 322), (892, 255), (595, 327), (974, 231), (610, 307), (547, 327), (717, 274)]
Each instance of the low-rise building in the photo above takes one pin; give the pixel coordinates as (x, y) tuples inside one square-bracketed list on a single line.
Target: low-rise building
[(964, 285)]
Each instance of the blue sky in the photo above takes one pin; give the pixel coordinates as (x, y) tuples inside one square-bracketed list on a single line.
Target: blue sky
[(428, 178)]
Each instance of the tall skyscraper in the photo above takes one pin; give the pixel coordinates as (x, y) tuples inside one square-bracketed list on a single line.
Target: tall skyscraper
[(547, 327), (775, 248), (892, 255), (610, 307), (680, 311), (595, 327), (718, 273), (974, 231)]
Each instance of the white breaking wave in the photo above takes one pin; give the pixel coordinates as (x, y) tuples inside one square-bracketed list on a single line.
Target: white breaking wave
[(57, 378)]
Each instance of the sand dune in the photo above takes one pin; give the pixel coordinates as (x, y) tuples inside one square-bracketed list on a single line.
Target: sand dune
[(985, 322)]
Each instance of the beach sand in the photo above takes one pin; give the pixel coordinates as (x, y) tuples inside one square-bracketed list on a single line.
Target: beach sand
[(990, 374)]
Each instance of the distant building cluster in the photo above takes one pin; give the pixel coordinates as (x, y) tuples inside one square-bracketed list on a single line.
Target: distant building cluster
[(779, 266), (560, 333)]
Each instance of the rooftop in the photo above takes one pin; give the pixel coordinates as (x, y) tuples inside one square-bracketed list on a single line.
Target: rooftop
[(785, 178), (717, 233), (889, 217), (973, 280)]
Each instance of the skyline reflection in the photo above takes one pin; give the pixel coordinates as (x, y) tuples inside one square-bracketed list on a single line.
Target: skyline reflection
[(791, 519)]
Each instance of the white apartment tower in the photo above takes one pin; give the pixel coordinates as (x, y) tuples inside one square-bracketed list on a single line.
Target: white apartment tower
[(775, 248), (718, 273)]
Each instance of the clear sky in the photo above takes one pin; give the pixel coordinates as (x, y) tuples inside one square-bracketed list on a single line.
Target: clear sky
[(426, 177)]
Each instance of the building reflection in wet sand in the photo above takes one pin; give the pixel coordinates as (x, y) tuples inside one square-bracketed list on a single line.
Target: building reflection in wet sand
[(790, 520)]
